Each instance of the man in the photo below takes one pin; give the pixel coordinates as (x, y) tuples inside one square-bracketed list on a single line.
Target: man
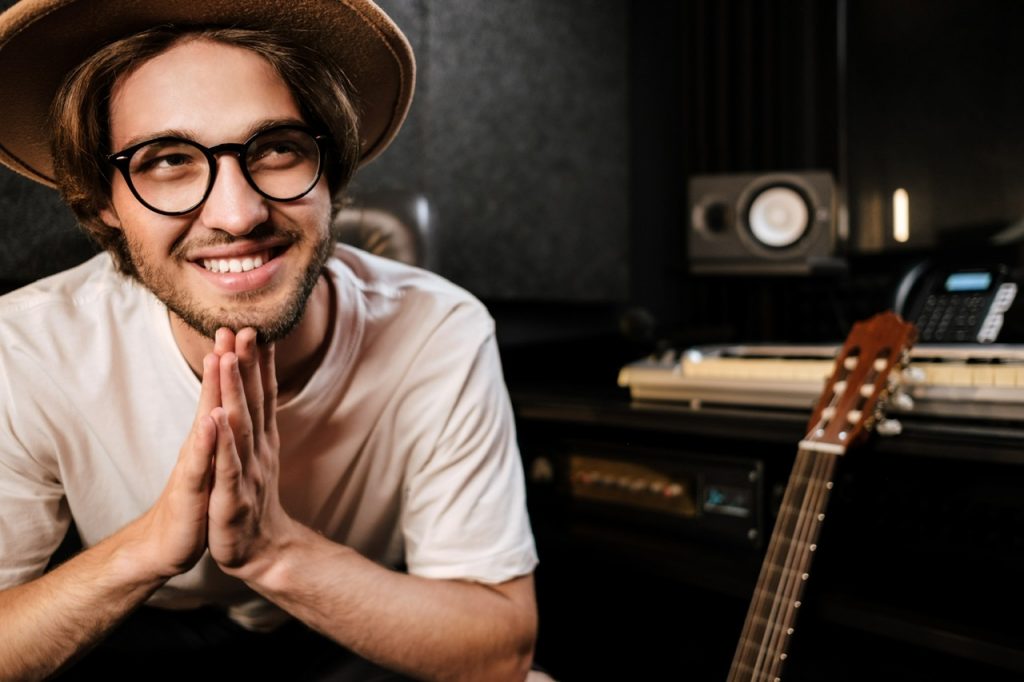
[(255, 439)]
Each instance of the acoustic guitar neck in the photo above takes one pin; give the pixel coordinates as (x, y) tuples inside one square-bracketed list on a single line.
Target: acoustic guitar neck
[(853, 401)]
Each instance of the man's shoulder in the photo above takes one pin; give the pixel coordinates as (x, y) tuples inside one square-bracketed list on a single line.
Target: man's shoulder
[(73, 294), (63, 284), (384, 280)]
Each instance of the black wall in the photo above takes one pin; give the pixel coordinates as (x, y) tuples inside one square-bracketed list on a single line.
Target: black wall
[(554, 140), (520, 139), (935, 106)]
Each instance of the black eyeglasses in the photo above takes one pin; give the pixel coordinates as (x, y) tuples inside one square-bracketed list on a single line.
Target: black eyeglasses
[(173, 175)]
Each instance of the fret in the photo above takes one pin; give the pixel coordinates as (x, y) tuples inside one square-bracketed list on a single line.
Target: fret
[(749, 672), (771, 629)]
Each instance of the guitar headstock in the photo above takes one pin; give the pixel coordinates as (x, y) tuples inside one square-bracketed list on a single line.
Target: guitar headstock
[(866, 371)]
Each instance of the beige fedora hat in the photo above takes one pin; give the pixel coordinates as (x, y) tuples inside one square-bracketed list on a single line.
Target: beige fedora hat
[(42, 40)]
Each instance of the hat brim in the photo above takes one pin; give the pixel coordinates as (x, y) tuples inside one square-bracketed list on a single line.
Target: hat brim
[(41, 41)]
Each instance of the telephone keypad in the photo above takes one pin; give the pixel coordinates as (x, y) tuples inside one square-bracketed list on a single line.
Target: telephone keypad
[(963, 317), (951, 317)]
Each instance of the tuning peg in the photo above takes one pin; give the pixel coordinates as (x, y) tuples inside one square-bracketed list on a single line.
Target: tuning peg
[(913, 375), (902, 401), (889, 427)]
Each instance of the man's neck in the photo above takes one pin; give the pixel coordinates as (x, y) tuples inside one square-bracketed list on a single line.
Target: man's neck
[(297, 355)]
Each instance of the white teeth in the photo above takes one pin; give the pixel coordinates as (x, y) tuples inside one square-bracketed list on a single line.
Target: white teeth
[(235, 264)]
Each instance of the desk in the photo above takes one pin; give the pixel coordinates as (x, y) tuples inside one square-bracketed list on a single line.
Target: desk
[(920, 561)]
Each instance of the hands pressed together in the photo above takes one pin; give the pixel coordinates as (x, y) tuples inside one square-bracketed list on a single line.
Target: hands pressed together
[(223, 491), (222, 497)]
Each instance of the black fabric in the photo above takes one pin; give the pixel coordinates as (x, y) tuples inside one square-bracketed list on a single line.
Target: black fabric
[(157, 644)]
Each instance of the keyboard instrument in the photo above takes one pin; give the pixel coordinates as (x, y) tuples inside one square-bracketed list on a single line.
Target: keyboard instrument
[(983, 381)]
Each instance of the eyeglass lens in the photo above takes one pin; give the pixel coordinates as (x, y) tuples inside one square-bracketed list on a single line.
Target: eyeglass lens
[(174, 175)]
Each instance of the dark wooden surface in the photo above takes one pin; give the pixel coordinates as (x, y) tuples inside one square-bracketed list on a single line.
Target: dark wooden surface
[(916, 578)]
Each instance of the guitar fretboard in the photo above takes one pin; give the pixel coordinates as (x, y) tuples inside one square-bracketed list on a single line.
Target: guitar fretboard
[(771, 619)]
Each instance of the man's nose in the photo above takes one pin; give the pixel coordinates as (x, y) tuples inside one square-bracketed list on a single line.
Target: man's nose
[(233, 205)]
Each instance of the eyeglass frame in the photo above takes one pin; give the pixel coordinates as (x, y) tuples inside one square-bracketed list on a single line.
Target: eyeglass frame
[(122, 159)]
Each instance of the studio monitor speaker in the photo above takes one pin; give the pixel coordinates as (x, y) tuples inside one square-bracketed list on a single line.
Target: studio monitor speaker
[(763, 223)]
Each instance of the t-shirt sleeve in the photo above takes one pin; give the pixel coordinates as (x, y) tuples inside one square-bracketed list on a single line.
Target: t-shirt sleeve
[(465, 513), (33, 512)]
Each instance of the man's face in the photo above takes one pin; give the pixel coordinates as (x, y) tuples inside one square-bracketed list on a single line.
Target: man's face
[(214, 93)]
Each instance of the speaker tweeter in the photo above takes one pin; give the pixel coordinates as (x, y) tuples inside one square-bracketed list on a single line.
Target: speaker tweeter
[(763, 223)]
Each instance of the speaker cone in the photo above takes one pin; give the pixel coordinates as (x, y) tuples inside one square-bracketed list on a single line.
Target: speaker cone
[(778, 217)]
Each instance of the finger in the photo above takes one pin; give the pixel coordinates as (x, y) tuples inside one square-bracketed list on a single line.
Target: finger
[(268, 375), (209, 390), (227, 470), (234, 404), (223, 341), (198, 454), (249, 368)]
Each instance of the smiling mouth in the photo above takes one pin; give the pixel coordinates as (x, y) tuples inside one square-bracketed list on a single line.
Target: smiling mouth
[(239, 264)]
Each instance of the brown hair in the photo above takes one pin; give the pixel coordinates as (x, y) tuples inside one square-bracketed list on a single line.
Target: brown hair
[(81, 108)]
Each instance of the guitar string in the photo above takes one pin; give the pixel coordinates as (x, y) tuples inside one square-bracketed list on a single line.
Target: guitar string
[(817, 494), (756, 632), (788, 521), (787, 584), (789, 581), (769, 653), (751, 634), (824, 466)]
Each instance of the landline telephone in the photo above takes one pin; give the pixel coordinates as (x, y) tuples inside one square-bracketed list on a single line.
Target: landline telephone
[(963, 304)]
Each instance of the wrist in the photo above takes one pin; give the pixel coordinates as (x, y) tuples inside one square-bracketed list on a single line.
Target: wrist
[(270, 573), (130, 560), (276, 552)]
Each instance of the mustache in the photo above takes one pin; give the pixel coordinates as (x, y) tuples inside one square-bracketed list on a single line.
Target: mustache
[(183, 245)]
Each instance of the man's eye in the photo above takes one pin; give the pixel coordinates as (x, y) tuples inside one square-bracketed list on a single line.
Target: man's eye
[(168, 161), (276, 149)]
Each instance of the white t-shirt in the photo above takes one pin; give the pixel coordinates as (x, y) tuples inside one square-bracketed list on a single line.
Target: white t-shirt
[(402, 445)]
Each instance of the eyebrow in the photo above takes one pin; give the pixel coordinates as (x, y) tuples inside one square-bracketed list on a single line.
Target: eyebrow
[(257, 127)]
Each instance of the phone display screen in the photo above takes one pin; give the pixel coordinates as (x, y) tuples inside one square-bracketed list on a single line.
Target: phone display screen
[(968, 281)]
